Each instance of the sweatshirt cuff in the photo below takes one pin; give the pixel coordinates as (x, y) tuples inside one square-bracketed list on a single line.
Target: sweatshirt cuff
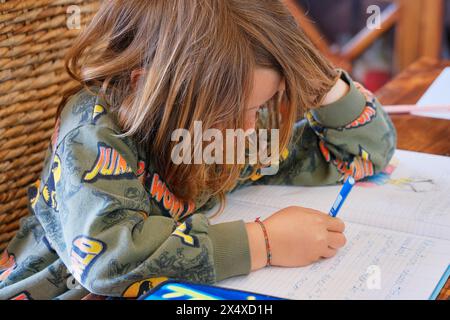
[(230, 249), (343, 111)]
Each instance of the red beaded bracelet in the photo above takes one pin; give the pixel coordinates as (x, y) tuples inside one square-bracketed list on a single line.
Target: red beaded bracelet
[(266, 239)]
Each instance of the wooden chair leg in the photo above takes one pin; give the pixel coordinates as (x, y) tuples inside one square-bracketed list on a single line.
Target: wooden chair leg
[(432, 28), (419, 31)]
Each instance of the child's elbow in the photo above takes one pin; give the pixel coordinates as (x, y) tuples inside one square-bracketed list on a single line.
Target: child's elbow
[(386, 146)]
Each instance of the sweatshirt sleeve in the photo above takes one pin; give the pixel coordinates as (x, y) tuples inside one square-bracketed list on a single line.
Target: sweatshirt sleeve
[(350, 137), (103, 224)]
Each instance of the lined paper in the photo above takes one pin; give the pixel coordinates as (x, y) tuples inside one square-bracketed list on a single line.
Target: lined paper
[(409, 268), (416, 199), (398, 230)]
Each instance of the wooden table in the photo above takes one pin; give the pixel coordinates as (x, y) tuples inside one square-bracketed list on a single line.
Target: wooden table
[(418, 133)]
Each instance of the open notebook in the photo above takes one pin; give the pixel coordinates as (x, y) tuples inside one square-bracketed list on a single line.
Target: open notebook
[(397, 229)]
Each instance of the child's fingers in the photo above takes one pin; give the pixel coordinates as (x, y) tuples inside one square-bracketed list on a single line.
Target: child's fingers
[(335, 224), (336, 240), (329, 252)]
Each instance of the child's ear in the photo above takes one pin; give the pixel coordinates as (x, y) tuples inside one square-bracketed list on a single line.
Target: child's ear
[(135, 76), (282, 86)]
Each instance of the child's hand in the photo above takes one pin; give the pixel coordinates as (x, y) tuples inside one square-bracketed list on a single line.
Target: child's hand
[(298, 236)]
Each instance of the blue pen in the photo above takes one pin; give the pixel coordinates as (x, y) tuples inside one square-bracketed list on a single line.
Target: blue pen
[(346, 188)]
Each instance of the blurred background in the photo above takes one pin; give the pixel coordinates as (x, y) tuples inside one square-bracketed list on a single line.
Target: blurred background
[(408, 30)]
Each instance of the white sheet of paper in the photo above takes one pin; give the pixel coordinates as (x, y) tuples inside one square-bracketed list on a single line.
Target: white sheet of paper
[(437, 94), (402, 228)]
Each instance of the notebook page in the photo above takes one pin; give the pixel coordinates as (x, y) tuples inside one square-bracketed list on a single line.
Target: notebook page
[(437, 94), (414, 199), (374, 264)]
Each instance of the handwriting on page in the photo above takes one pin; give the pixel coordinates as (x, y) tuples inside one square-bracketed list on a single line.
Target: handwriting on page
[(398, 235), (400, 258)]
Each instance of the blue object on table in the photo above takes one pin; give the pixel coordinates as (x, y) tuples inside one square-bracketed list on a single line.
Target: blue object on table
[(346, 188), (177, 290), (440, 284)]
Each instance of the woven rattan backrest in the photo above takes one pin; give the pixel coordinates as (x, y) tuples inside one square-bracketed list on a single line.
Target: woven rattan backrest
[(34, 36)]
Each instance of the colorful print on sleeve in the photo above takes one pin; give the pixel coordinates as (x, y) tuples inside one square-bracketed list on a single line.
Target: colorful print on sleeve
[(49, 190), (7, 264), (109, 164), (85, 251), (328, 151)]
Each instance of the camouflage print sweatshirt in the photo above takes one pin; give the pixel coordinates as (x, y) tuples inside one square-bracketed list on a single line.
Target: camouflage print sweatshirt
[(102, 220)]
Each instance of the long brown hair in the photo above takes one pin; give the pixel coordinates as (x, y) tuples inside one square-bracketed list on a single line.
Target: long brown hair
[(199, 57)]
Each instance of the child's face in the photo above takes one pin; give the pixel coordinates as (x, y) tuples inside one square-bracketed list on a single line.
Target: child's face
[(266, 83)]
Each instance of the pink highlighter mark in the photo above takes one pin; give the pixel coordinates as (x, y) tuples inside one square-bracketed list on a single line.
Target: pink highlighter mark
[(381, 178)]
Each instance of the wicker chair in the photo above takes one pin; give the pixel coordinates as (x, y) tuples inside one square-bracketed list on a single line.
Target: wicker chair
[(33, 39)]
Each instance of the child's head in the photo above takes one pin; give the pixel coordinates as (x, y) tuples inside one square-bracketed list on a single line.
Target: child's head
[(164, 64)]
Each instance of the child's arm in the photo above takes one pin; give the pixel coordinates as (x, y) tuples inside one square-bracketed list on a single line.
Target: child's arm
[(105, 228), (351, 136)]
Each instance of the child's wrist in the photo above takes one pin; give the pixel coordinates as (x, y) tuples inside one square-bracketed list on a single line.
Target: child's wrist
[(266, 241), (338, 91), (257, 245)]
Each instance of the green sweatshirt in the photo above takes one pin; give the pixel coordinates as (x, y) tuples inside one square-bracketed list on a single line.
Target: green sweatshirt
[(102, 220)]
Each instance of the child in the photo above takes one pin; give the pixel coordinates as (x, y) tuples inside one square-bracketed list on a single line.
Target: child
[(113, 215)]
